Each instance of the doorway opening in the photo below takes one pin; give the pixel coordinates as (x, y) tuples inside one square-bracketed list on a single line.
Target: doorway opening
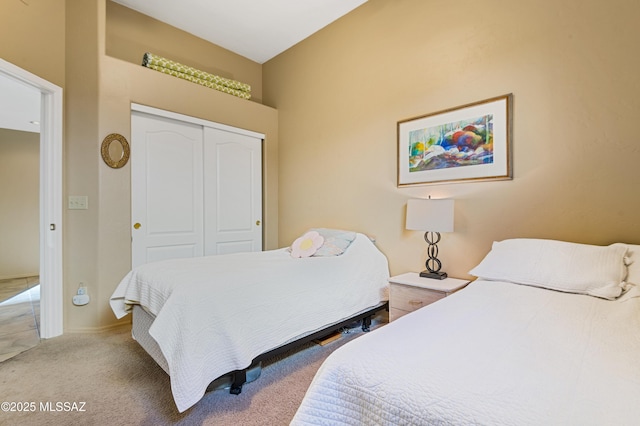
[(50, 192)]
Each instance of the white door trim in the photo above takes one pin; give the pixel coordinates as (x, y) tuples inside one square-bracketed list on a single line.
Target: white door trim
[(193, 120), (51, 306)]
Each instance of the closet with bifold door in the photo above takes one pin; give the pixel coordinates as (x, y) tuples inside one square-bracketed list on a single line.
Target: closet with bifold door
[(196, 187)]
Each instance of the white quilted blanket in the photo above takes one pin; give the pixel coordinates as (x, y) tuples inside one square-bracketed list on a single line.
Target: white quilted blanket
[(215, 314), (492, 354)]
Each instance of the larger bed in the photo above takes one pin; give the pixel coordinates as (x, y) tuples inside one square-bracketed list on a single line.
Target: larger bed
[(201, 318), (528, 343)]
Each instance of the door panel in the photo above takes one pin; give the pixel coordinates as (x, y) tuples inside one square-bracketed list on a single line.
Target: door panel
[(166, 189), (233, 192)]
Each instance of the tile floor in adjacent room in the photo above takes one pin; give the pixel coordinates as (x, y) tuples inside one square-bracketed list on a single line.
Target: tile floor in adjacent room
[(19, 315)]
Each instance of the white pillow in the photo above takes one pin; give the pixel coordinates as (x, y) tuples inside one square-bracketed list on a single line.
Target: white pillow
[(336, 241), (570, 267), (633, 260)]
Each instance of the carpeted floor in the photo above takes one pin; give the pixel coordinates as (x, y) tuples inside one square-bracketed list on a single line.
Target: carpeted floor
[(107, 378)]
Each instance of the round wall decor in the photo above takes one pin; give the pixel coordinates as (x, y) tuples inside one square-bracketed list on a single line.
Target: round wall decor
[(115, 150)]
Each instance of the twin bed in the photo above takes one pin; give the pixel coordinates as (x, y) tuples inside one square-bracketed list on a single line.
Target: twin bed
[(549, 333), (203, 318)]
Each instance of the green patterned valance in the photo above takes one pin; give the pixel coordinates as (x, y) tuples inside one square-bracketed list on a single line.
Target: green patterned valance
[(194, 75)]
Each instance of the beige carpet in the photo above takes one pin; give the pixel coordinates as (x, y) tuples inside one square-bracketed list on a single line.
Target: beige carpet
[(114, 381)]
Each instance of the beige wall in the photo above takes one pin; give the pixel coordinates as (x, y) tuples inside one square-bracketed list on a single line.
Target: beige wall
[(573, 74), (19, 209), (81, 108), (33, 37)]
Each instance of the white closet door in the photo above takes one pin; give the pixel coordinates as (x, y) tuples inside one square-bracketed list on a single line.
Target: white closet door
[(233, 192), (166, 189)]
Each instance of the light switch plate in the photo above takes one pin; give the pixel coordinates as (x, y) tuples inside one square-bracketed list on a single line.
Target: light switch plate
[(78, 202)]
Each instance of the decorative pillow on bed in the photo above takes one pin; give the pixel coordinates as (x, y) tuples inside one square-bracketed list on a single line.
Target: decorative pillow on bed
[(570, 267), (336, 241), (307, 245)]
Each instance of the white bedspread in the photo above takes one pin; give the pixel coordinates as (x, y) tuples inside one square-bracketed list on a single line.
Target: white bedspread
[(215, 314), (492, 354)]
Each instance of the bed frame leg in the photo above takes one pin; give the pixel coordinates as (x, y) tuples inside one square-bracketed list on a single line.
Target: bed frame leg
[(239, 379), (366, 323)]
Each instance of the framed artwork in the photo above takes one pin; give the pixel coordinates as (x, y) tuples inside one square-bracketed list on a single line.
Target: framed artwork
[(467, 143)]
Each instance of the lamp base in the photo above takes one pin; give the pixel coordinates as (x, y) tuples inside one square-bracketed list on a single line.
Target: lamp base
[(433, 275)]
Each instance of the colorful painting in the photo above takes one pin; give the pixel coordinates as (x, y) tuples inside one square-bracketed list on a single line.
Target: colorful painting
[(471, 142), (461, 143)]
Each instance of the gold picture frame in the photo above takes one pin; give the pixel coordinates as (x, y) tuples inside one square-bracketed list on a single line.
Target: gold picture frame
[(462, 144)]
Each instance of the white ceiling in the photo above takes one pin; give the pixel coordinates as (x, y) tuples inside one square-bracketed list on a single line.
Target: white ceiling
[(255, 29)]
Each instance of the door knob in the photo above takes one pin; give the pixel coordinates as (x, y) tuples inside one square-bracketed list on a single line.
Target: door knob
[(258, 222), (137, 226)]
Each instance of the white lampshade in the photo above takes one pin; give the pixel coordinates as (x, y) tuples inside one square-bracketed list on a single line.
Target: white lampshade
[(430, 215)]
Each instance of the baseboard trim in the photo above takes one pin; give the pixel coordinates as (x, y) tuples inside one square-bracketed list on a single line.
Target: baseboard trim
[(15, 277), (100, 329)]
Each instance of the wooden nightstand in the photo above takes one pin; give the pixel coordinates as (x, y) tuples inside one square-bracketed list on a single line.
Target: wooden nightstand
[(408, 292)]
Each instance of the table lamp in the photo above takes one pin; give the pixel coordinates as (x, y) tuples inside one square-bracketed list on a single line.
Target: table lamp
[(433, 217)]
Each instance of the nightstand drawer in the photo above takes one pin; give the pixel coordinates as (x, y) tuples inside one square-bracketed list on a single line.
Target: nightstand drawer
[(409, 291), (408, 298)]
